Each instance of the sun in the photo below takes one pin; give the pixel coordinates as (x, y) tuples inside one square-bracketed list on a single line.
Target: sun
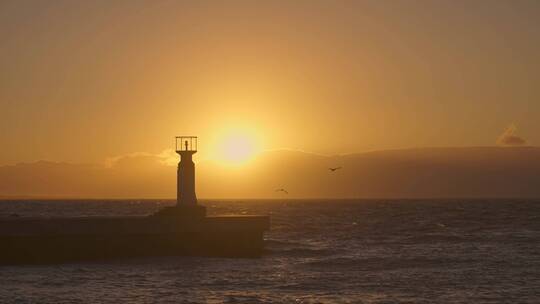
[(237, 147)]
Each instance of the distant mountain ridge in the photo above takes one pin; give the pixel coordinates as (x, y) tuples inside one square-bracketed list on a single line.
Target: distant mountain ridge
[(472, 172)]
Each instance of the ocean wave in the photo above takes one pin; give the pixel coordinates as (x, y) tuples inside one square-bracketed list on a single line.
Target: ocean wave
[(386, 263), (296, 249)]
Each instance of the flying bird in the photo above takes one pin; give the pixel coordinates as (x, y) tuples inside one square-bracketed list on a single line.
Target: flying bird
[(282, 190), (334, 169)]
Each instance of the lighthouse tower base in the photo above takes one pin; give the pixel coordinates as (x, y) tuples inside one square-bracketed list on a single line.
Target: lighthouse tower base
[(184, 212), (30, 240)]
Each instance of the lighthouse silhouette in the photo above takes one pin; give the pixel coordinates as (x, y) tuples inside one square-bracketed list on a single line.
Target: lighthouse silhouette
[(186, 146), (186, 207)]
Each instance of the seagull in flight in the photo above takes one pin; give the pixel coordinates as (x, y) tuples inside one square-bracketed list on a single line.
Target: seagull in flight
[(282, 190), (334, 169)]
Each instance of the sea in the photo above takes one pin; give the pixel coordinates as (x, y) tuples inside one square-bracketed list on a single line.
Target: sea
[(317, 251)]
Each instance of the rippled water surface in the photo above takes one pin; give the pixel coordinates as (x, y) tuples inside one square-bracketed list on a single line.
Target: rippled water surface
[(361, 251)]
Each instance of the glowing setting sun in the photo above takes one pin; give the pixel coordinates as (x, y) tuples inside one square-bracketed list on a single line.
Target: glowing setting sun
[(236, 147)]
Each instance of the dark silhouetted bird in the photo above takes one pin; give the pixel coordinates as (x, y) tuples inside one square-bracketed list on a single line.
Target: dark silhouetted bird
[(334, 169), (282, 190)]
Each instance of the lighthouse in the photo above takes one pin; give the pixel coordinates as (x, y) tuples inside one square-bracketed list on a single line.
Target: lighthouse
[(186, 200), (186, 146)]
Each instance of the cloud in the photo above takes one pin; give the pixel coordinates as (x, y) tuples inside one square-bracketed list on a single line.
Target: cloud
[(509, 137), (166, 157)]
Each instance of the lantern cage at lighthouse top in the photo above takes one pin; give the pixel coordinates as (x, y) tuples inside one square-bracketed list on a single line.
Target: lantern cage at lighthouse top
[(186, 143)]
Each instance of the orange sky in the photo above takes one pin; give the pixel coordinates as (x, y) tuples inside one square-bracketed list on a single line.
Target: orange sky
[(82, 81)]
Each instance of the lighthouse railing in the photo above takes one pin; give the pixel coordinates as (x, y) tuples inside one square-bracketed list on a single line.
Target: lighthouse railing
[(186, 143)]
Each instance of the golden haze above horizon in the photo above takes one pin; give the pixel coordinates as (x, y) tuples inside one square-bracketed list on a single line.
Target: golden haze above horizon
[(85, 81)]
